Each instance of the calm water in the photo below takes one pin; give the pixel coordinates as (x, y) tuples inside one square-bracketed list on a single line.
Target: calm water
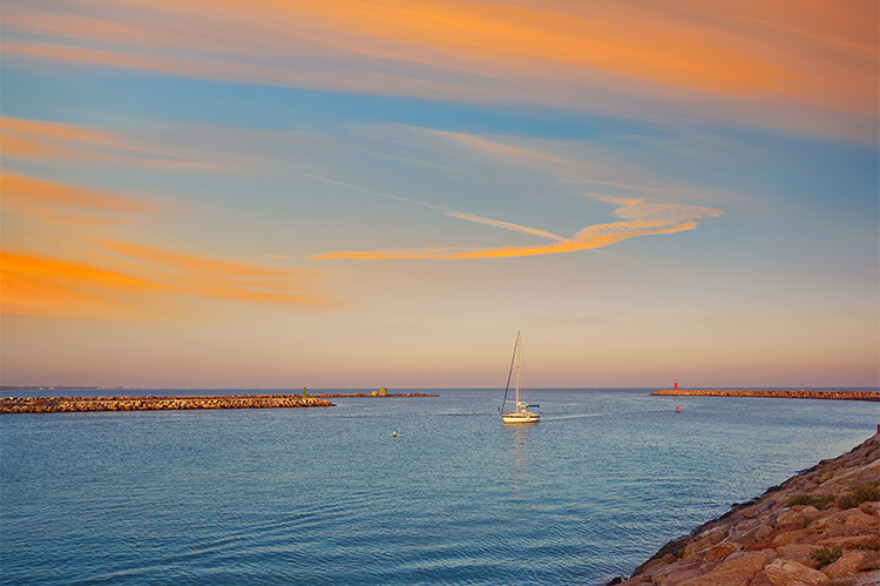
[(326, 496)]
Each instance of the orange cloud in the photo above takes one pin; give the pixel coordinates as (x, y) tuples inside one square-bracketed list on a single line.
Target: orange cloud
[(590, 237), (67, 206), (494, 147), (38, 191), (748, 62), (41, 140), (15, 263), (52, 287), (642, 219), (52, 130), (198, 265), (143, 281), (99, 278), (30, 296)]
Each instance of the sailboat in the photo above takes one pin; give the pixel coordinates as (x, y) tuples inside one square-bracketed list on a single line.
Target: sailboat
[(520, 413)]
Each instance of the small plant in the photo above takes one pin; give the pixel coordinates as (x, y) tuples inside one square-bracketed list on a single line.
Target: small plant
[(858, 494), (820, 502), (826, 556)]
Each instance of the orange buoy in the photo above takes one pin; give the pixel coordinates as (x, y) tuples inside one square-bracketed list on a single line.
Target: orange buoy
[(677, 409), (393, 434)]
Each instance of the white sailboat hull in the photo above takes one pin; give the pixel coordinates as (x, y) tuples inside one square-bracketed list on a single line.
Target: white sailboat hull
[(520, 417)]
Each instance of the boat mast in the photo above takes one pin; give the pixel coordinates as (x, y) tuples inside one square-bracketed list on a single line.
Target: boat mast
[(518, 362)]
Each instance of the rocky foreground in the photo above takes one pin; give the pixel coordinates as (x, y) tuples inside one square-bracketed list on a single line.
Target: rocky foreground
[(777, 393), (820, 527), (125, 403)]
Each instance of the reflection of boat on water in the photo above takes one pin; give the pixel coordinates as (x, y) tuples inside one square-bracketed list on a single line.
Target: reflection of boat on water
[(520, 412)]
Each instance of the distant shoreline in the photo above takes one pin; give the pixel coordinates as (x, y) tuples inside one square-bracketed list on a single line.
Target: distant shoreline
[(775, 393), (10, 405)]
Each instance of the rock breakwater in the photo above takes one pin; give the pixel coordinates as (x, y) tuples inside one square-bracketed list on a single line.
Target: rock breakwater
[(819, 528), (778, 393), (127, 403)]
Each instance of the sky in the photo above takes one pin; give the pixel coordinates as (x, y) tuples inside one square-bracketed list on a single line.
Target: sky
[(268, 194)]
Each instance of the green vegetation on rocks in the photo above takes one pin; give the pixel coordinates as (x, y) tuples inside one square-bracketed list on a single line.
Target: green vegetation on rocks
[(858, 494), (826, 556), (820, 502)]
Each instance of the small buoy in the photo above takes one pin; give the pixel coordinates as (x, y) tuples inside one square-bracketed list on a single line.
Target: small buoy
[(393, 434), (677, 409)]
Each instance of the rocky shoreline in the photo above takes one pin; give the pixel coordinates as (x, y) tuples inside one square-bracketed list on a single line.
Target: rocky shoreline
[(819, 528), (127, 403), (163, 403), (778, 393)]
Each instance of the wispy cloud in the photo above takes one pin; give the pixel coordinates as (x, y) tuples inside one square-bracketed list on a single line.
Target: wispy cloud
[(44, 141), (39, 191), (48, 287), (448, 212), (497, 148), (724, 61), (63, 205), (640, 218), (59, 259), (582, 165), (140, 282)]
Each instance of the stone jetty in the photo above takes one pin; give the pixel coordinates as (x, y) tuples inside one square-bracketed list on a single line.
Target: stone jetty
[(777, 393), (160, 403), (818, 528), (126, 403)]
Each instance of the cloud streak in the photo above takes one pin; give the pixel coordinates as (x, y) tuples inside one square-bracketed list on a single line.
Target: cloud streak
[(22, 188), (57, 260), (143, 282), (640, 218), (44, 141), (448, 212), (721, 61)]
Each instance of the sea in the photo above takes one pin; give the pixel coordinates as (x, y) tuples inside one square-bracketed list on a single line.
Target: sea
[(330, 496)]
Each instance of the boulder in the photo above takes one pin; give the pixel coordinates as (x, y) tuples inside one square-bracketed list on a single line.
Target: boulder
[(762, 532), (845, 542), (717, 553), (811, 513), (792, 516), (678, 577), (733, 572), (667, 574), (784, 572), (851, 563), (860, 519), (798, 552), (784, 539), (831, 518)]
